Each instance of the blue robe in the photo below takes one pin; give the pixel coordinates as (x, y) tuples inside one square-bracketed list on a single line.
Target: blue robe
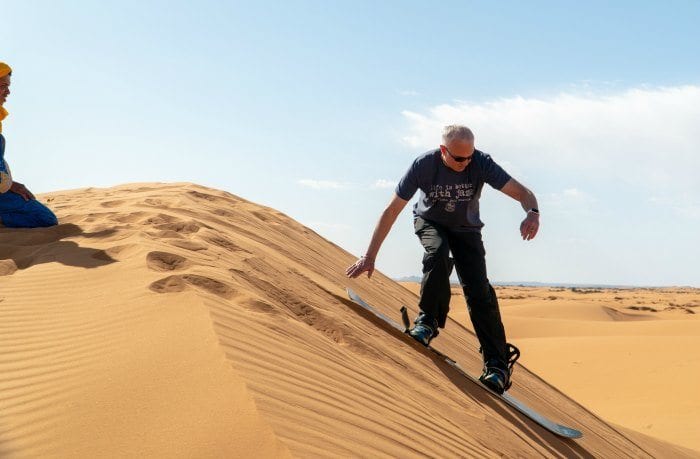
[(15, 212)]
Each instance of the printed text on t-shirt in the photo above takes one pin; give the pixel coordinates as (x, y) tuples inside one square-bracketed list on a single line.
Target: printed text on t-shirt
[(456, 192)]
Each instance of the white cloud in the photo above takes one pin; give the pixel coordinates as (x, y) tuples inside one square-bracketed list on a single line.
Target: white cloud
[(335, 185), (321, 184), (383, 183), (642, 141)]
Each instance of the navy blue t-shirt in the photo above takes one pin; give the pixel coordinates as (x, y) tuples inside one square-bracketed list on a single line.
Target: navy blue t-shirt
[(448, 197)]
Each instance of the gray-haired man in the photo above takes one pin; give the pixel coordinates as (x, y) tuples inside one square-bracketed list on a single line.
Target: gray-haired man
[(446, 219)]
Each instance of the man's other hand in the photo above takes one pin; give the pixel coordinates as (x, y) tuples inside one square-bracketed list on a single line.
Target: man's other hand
[(530, 226), (360, 266)]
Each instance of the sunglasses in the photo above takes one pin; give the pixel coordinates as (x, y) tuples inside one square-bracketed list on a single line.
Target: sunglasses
[(459, 159)]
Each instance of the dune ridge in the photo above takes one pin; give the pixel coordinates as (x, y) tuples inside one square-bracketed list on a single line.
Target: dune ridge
[(172, 320)]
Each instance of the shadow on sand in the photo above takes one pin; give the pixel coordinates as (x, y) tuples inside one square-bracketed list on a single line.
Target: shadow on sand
[(21, 248)]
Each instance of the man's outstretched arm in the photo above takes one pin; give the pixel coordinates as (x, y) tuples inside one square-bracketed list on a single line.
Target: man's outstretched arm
[(527, 199), (386, 221)]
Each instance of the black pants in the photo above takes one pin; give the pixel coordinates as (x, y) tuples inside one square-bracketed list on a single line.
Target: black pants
[(469, 258)]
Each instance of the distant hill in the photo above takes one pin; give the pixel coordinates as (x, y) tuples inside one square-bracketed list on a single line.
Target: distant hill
[(536, 284)]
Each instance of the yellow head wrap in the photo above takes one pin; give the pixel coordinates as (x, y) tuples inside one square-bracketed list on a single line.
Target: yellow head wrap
[(4, 71)]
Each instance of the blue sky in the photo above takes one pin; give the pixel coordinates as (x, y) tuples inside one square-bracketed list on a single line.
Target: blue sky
[(317, 109)]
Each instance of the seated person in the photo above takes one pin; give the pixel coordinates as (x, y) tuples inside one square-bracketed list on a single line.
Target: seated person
[(18, 207)]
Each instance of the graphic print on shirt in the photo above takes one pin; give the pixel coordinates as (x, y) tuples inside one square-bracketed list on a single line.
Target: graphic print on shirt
[(451, 194)]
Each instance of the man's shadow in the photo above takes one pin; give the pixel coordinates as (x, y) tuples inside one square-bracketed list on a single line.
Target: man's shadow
[(21, 248)]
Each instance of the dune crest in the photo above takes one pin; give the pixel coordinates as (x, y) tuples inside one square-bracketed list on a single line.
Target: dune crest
[(172, 320)]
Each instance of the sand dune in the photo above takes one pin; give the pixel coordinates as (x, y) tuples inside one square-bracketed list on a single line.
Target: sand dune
[(173, 320), (645, 340)]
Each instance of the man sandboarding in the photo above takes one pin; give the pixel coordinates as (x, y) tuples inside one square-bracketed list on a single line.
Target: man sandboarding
[(446, 219)]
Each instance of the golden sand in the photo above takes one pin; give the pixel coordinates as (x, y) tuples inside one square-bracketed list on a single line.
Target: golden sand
[(173, 320)]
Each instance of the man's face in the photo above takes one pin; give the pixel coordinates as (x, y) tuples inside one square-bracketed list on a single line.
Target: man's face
[(4, 89), (459, 149)]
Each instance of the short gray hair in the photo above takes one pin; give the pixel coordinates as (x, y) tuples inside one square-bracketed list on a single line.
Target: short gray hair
[(456, 131)]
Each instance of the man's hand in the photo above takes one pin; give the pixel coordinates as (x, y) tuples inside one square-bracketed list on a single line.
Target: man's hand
[(21, 190), (530, 226), (366, 263), (360, 266)]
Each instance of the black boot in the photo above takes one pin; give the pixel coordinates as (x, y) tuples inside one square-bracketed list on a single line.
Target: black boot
[(425, 329), (497, 373), (495, 376)]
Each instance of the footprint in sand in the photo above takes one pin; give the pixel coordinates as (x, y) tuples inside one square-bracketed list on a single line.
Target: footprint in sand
[(224, 243), (163, 234), (131, 217), (118, 252), (180, 227), (224, 213), (189, 245), (174, 230), (154, 202), (205, 196), (210, 285), (178, 283), (257, 305), (110, 204), (160, 219), (261, 215), (165, 261), (169, 284)]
